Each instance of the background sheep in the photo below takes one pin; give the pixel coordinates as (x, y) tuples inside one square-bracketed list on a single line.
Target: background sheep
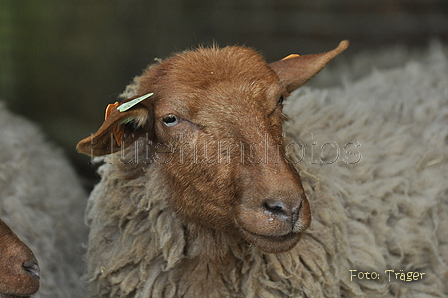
[(19, 270), (42, 201), (371, 157)]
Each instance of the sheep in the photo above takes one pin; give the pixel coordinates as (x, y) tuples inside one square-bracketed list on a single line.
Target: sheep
[(19, 269), (201, 195), (43, 201)]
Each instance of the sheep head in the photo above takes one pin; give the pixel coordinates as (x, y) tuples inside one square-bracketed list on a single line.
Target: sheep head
[(212, 123), (19, 271)]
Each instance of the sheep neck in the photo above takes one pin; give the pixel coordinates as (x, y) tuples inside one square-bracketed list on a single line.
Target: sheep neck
[(164, 247)]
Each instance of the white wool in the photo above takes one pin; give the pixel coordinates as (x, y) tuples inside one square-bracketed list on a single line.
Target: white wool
[(395, 198), (42, 201), (373, 162)]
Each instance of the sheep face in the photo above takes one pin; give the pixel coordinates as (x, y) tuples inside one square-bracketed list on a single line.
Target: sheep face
[(19, 271), (215, 125)]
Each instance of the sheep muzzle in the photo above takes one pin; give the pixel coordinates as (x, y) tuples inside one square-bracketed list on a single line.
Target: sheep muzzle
[(274, 210), (19, 270)]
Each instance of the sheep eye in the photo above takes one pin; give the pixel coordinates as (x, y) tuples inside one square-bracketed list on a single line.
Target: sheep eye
[(280, 100), (170, 120)]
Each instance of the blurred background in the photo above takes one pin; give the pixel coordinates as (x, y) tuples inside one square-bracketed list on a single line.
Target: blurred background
[(62, 62)]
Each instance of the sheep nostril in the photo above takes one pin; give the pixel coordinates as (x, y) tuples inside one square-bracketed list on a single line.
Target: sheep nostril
[(275, 206), (32, 268), (283, 211)]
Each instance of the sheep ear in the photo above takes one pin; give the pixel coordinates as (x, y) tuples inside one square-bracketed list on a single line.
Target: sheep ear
[(296, 70), (124, 124)]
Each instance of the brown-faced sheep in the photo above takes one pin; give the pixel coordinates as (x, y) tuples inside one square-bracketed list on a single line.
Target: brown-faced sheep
[(43, 201), (19, 270), (201, 198)]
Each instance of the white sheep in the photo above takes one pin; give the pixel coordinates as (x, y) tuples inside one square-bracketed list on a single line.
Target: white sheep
[(43, 202), (372, 161)]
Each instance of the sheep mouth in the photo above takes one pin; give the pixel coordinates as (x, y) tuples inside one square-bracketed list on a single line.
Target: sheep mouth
[(281, 238), (272, 243)]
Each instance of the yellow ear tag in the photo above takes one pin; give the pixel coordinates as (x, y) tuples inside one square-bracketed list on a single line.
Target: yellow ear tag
[(118, 130), (291, 56), (110, 108)]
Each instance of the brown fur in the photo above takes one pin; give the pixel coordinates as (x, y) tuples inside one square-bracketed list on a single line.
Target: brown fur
[(219, 175), (19, 271)]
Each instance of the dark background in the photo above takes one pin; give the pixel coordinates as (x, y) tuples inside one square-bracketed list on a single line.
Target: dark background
[(62, 62)]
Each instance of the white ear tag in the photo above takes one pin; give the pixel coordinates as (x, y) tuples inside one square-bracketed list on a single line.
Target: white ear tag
[(127, 105)]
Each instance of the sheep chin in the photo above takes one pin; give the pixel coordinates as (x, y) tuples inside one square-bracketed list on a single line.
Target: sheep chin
[(30, 286)]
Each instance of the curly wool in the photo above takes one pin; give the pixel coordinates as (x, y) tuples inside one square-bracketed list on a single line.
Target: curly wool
[(376, 182), (43, 202)]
